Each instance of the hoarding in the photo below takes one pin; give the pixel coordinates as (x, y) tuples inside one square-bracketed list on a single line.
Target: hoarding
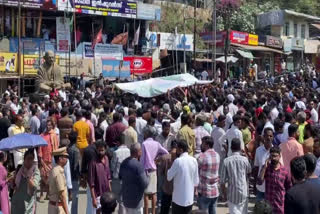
[(170, 41), (274, 42), (8, 63), (139, 65)]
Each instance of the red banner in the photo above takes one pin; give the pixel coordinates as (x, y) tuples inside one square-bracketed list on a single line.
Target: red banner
[(239, 37), (139, 65)]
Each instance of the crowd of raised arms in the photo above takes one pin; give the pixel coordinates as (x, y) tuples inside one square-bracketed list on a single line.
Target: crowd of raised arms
[(182, 152)]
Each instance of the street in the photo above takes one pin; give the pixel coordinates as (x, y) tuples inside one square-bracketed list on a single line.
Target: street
[(43, 207)]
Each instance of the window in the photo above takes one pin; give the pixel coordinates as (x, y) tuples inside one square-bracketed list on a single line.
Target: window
[(295, 30), (286, 29), (303, 31)]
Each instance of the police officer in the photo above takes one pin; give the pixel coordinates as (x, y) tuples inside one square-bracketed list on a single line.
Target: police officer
[(57, 184)]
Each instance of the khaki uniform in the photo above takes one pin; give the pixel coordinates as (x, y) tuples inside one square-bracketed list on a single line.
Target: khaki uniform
[(57, 183)]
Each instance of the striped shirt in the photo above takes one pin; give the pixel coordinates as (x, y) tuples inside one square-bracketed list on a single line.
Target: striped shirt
[(208, 163), (234, 172)]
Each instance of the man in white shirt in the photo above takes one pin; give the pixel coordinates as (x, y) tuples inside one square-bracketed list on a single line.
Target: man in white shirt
[(233, 109), (14, 106), (228, 115), (218, 136), (234, 132), (140, 124), (313, 112), (262, 154), (184, 172), (288, 121), (63, 94), (204, 75)]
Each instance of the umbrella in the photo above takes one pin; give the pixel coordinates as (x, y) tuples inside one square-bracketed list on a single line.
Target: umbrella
[(21, 141), (229, 59)]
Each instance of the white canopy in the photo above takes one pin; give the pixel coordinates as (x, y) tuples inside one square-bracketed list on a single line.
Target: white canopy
[(160, 85), (229, 59)]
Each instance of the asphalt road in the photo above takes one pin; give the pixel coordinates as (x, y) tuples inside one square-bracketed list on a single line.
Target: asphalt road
[(42, 208)]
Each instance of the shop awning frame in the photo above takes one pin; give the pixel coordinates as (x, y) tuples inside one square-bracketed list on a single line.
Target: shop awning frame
[(257, 48), (245, 54)]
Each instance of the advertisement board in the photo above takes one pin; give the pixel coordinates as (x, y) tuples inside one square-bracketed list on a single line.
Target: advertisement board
[(30, 64), (65, 5), (139, 65), (239, 37), (297, 44), (103, 51), (8, 63), (113, 68), (253, 39), (43, 4), (108, 51), (149, 12), (117, 8), (63, 34), (28, 45), (170, 41)]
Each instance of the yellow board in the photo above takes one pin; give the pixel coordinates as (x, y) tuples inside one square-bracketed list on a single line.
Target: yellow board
[(30, 64), (8, 63), (253, 40)]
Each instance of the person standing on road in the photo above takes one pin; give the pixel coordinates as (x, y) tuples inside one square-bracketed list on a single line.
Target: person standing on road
[(208, 189), (184, 173), (99, 176), (277, 180), (57, 184), (235, 170), (186, 133), (151, 149), (134, 181)]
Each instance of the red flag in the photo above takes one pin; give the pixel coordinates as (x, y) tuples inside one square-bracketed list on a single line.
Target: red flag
[(97, 39)]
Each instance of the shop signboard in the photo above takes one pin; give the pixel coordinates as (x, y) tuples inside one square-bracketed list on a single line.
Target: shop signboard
[(41, 4), (139, 65), (152, 41), (207, 37), (297, 44), (273, 42), (8, 63), (149, 12), (253, 39), (116, 8), (239, 37), (63, 34), (115, 68)]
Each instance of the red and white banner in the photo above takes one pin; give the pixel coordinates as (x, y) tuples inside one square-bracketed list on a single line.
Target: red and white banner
[(139, 65), (239, 37)]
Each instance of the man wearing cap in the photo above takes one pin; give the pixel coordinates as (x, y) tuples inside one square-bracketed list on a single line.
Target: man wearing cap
[(57, 184)]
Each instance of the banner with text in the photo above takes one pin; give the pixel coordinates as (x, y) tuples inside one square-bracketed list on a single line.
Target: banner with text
[(40, 4), (117, 8)]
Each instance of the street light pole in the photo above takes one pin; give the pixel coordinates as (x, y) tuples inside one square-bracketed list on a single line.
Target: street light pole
[(194, 30), (184, 40)]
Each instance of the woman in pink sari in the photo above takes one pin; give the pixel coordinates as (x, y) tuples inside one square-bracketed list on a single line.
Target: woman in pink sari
[(4, 200), (45, 155)]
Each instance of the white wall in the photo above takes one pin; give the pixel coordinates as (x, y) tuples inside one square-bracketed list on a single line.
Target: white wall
[(293, 20)]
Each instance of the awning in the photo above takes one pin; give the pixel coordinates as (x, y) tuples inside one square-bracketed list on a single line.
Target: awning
[(245, 54), (229, 59), (311, 46), (316, 26), (258, 48)]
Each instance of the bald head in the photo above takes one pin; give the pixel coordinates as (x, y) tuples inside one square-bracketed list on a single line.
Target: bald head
[(135, 150)]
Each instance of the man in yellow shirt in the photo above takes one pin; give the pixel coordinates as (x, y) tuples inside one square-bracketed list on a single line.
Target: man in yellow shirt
[(83, 131), (186, 133)]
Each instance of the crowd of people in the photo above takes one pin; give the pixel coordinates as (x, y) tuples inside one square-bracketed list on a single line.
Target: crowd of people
[(198, 145)]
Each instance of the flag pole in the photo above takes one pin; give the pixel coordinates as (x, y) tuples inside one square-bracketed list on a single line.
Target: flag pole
[(93, 47)]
